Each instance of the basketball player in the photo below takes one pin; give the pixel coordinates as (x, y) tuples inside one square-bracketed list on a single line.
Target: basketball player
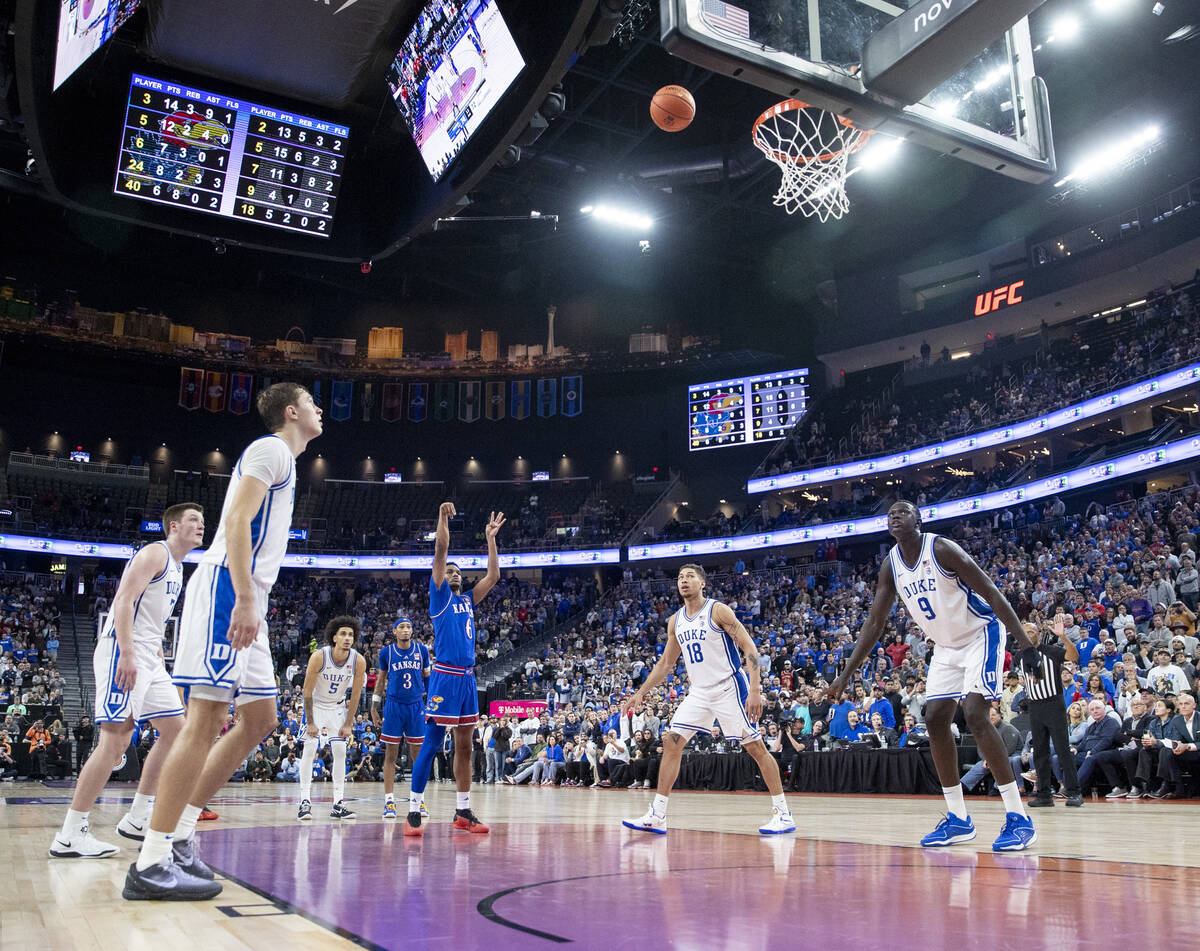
[(403, 674), (709, 635), (335, 672), (453, 697), (223, 655), (958, 607), (132, 683)]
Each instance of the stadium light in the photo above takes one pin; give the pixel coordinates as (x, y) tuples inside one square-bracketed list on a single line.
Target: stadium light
[(1066, 29), (882, 151), (1114, 156), (622, 217)]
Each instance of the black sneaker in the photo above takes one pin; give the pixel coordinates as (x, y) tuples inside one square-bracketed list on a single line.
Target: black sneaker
[(339, 811), (412, 825), (305, 811), (186, 854), (1075, 800), (1037, 802), (166, 881)]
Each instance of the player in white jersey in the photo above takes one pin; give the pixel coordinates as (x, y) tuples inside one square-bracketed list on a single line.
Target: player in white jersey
[(708, 635), (332, 688), (961, 610), (223, 655), (132, 683)]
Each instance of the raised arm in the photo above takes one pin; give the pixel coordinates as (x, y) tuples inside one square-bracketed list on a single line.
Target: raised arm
[(666, 664), (872, 629), (725, 619), (956, 561), (485, 584), (441, 542), (146, 565)]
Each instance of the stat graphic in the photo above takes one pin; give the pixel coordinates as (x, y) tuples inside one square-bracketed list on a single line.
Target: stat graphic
[(228, 157), (746, 410)]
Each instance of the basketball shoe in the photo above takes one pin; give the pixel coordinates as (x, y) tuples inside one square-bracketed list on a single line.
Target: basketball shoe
[(81, 845), (466, 821), (650, 822), (166, 881), (207, 815), (130, 829), (186, 854), (304, 813), (1018, 834), (389, 809), (339, 811), (412, 825), (779, 822), (950, 831)]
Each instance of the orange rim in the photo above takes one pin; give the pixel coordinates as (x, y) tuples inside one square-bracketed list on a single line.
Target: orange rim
[(797, 105)]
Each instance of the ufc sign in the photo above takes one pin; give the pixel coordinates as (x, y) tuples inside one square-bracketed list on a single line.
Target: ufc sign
[(1003, 296)]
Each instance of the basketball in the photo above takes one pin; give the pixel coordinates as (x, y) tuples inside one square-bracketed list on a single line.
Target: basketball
[(672, 108)]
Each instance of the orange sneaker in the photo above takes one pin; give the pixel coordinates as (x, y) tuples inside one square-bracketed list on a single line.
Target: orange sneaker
[(465, 821), (412, 825), (206, 814)]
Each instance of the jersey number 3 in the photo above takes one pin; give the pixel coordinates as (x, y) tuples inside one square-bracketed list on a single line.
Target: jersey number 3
[(926, 608), (695, 653)]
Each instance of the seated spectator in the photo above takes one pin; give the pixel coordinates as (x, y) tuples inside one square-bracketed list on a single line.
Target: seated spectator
[(1012, 746), (1180, 747), (288, 769)]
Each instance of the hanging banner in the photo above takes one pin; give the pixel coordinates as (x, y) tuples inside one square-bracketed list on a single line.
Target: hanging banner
[(392, 407), (547, 397), (366, 399), (572, 395), (469, 394), (241, 386), (191, 387), (215, 386), (418, 402), (443, 401), (493, 402), (522, 399), (341, 400)]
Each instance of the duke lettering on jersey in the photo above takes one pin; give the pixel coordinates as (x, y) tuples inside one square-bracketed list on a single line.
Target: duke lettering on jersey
[(945, 609), (453, 618), (920, 586), (709, 654), (406, 671)]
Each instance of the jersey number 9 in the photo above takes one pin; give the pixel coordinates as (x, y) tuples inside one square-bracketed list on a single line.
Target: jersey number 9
[(926, 608)]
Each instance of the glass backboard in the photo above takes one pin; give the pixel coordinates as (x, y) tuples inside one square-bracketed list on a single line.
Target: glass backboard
[(994, 112)]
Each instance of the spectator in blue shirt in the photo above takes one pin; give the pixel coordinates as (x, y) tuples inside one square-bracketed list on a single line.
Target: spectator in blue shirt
[(289, 770), (854, 729), (883, 706), (838, 714)]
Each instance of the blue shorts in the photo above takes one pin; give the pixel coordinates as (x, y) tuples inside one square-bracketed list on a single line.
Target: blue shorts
[(453, 700), (402, 721)]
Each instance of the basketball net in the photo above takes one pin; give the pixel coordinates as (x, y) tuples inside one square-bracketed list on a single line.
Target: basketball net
[(811, 147)]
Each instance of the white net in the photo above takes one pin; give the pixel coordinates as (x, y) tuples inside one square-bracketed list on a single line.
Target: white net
[(811, 148)]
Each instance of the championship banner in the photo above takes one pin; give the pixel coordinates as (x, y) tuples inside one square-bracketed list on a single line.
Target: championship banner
[(469, 393), (191, 387), (215, 386), (418, 402), (341, 400), (367, 400), (443, 401), (547, 397), (522, 399), (517, 708), (316, 394), (572, 395), (493, 403), (241, 385), (392, 407)]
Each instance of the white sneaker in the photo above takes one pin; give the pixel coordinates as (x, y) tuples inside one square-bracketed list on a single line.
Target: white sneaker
[(645, 784), (650, 822), (132, 830), (1117, 793), (81, 845), (780, 822)]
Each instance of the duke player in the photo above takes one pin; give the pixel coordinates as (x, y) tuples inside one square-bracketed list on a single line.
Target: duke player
[(132, 683), (332, 687), (403, 674), (223, 655), (957, 606), (709, 635), (453, 696)]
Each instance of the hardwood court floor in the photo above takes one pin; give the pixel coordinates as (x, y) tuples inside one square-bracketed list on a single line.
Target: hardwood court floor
[(558, 868)]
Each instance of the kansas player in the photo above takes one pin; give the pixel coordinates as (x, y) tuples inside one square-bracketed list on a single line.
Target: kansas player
[(403, 674), (709, 636), (453, 697), (958, 607), (132, 683), (332, 687), (223, 655)]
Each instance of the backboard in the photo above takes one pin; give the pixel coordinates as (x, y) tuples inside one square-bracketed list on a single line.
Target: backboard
[(994, 112)]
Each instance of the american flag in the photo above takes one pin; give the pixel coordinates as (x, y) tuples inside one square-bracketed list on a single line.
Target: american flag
[(725, 16)]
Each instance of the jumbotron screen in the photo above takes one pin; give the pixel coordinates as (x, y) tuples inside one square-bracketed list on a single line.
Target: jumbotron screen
[(83, 27), (746, 410), (455, 64), (216, 154)]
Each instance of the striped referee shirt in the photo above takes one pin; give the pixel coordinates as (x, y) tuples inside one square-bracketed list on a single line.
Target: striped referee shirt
[(1048, 684)]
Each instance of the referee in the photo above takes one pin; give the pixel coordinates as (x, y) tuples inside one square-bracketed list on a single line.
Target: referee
[(1048, 714)]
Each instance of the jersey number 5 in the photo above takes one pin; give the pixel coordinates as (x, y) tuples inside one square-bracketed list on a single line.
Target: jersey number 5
[(695, 653), (926, 608)]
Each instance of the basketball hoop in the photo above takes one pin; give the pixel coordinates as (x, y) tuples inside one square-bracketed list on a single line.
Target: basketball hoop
[(811, 147)]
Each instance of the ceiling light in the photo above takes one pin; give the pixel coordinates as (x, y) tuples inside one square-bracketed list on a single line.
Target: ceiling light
[(882, 150), (622, 217), (1114, 156), (1066, 29)]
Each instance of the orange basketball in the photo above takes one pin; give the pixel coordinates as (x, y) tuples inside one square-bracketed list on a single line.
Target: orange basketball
[(672, 108)]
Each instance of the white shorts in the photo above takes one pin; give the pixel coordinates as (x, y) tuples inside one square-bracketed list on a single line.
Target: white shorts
[(153, 695), (725, 703), (975, 668), (328, 720), (205, 664)]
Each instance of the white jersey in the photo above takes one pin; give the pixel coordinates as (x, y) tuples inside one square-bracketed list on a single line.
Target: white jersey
[(944, 608), (710, 655), (270, 460), (153, 608), (334, 683)]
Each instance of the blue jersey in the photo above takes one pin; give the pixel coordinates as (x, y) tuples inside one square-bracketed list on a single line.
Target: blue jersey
[(406, 671), (453, 618)]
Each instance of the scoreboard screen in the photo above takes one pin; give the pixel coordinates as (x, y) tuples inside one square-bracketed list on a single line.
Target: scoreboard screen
[(747, 410), (223, 156)]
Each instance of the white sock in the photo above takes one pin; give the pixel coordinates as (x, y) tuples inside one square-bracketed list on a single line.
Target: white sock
[(307, 758), (140, 810), (780, 803), (339, 771), (187, 822), (659, 807), (73, 823), (414, 802), (389, 798), (1012, 798), (954, 800), (156, 846), (462, 800)]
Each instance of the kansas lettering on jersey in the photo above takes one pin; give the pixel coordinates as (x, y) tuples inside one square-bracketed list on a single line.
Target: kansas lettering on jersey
[(154, 607), (334, 683), (944, 608), (453, 617), (709, 653), (406, 671), (269, 460)]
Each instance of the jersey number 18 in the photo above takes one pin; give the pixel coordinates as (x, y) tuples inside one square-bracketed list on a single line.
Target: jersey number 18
[(695, 653)]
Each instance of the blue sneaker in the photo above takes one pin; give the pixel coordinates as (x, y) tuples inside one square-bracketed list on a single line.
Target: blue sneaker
[(389, 809), (950, 831), (1018, 834)]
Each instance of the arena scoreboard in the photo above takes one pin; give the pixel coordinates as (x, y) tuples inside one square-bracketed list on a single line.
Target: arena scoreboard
[(746, 410), (225, 156)]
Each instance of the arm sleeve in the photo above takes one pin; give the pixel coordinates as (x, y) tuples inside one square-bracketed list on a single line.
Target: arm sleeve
[(269, 460)]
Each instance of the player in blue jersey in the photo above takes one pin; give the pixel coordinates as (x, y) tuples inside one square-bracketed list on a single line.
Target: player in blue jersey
[(453, 697), (403, 674)]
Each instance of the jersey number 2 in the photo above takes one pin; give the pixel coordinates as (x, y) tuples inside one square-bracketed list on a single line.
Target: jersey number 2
[(926, 608), (695, 653)]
